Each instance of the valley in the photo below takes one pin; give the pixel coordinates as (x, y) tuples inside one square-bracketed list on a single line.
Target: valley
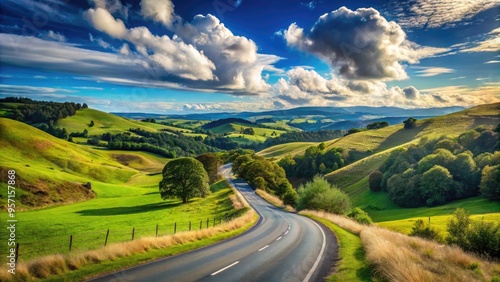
[(55, 204)]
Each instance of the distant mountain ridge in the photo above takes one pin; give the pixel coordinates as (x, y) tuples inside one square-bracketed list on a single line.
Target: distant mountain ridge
[(338, 117), (311, 111)]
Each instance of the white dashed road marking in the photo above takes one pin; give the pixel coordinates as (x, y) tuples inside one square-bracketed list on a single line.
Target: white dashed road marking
[(219, 271)]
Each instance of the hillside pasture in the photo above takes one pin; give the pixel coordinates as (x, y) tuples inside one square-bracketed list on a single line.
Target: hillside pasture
[(104, 122)]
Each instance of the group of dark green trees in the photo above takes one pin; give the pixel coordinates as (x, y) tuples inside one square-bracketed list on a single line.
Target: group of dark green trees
[(438, 171), (187, 177), (478, 236), (316, 160), (42, 114), (263, 174), (164, 144), (34, 112)]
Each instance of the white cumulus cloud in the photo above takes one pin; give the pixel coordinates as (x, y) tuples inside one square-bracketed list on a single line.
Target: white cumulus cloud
[(158, 10), (359, 44)]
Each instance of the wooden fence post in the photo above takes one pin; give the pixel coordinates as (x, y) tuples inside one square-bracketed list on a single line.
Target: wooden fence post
[(106, 241), (208, 219), (175, 227), (17, 252), (70, 242), (133, 233), (190, 226), (201, 224), (156, 230)]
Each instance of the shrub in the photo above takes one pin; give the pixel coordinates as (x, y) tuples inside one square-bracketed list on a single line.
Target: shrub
[(290, 198), (375, 181), (360, 216), (321, 195), (458, 227), (410, 123), (425, 231), (490, 187), (484, 238)]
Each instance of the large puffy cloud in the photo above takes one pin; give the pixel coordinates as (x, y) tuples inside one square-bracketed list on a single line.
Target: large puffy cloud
[(204, 52), (307, 87), (103, 21), (359, 44), (238, 66), (174, 57), (113, 6), (158, 10)]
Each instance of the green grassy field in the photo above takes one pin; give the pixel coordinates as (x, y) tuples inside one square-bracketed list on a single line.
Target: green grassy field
[(281, 124), (303, 120), (280, 151), (374, 146), (246, 139), (184, 123), (48, 230), (236, 128), (105, 122), (126, 194)]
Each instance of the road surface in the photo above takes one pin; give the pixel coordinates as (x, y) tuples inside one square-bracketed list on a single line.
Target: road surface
[(282, 246)]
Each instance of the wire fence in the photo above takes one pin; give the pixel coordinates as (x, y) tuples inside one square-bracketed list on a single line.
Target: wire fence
[(36, 245)]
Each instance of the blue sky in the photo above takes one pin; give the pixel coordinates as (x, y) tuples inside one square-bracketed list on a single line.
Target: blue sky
[(167, 56)]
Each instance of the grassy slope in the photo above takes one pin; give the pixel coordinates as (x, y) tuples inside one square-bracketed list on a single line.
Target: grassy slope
[(374, 146), (354, 178), (88, 221), (282, 124), (105, 122), (236, 128), (126, 184), (48, 162), (280, 151)]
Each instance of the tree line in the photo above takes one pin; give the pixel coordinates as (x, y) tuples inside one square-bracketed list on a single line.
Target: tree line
[(437, 171), (478, 236), (302, 136), (316, 160), (263, 174), (164, 144), (31, 111)]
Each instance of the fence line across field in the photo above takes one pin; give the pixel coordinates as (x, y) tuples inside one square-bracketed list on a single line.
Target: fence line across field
[(61, 244)]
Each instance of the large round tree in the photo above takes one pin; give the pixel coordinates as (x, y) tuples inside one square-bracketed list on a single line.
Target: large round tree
[(184, 178)]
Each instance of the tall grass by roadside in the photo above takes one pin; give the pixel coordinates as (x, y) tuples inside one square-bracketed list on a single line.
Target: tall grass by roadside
[(275, 201), (237, 200), (397, 257), (352, 265), (58, 264)]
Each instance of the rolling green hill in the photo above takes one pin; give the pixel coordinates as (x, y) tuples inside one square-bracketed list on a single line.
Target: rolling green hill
[(279, 151), (373, 147), (51, 171), (105, 122), (353, 179), (370, 142), (237, 127)]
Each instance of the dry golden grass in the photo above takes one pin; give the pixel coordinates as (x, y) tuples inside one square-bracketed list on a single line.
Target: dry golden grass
[(238, 201), (273, 200), (346, 223), (398, 257), (59, 264)]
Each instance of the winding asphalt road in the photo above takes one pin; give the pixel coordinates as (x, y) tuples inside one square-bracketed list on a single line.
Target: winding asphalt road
[(282, 246)]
